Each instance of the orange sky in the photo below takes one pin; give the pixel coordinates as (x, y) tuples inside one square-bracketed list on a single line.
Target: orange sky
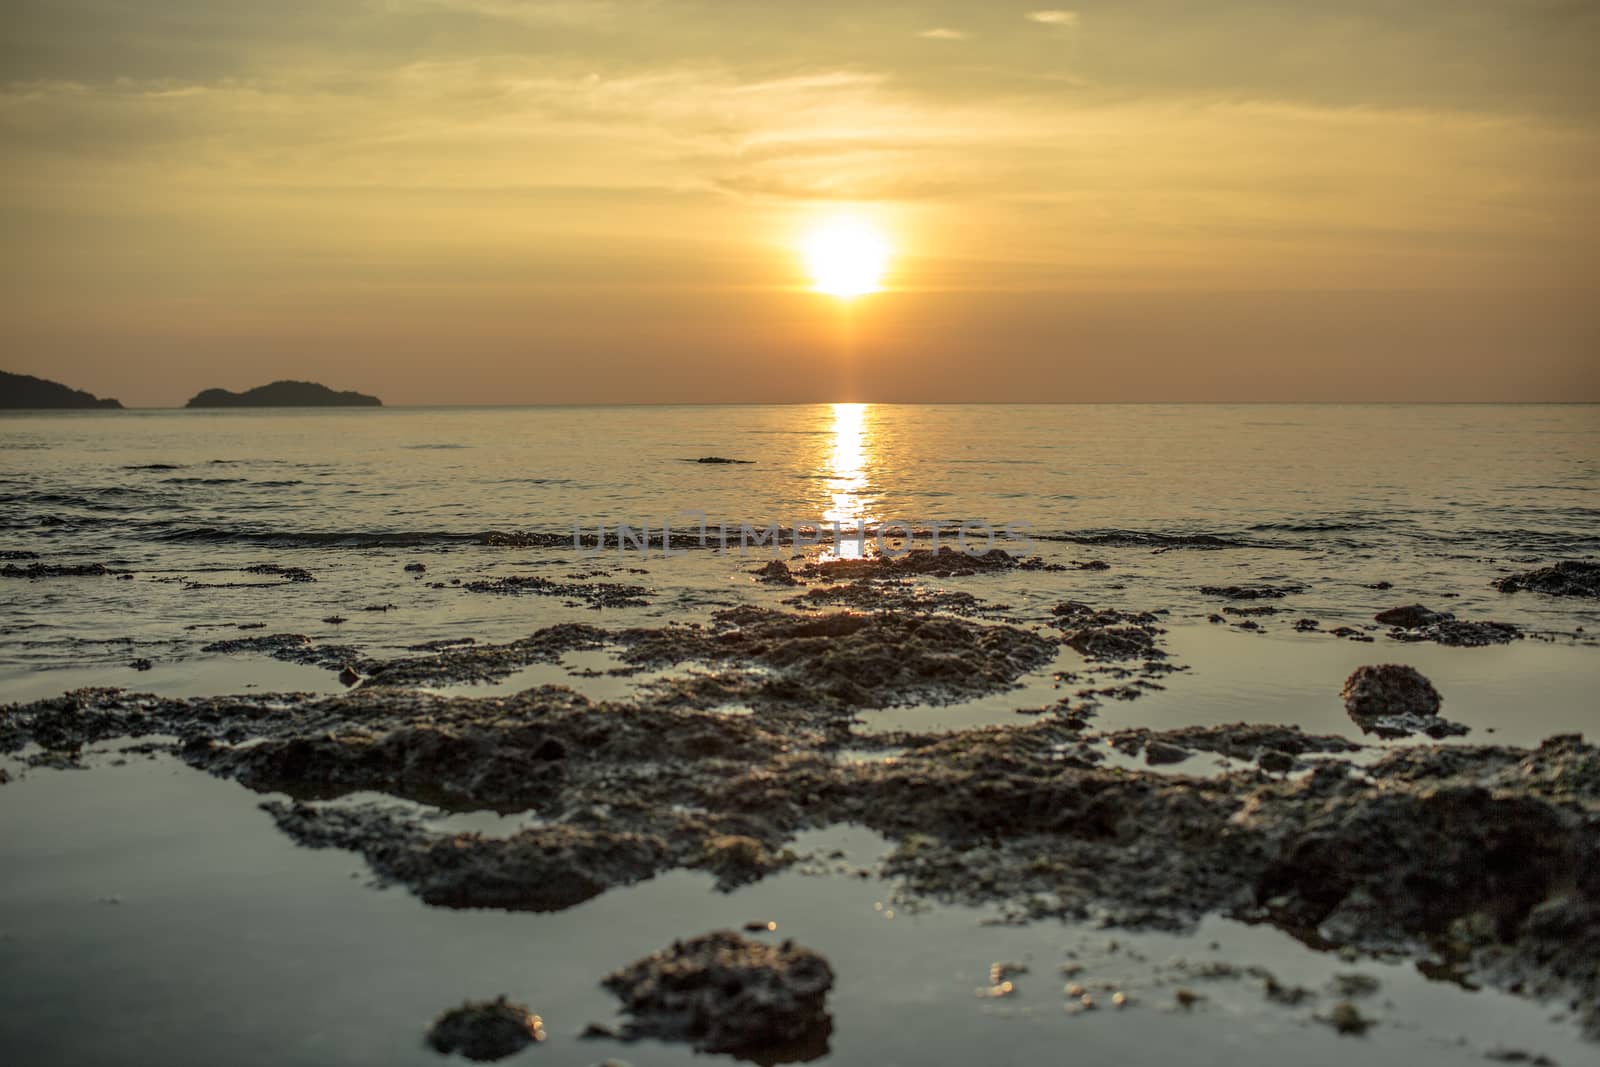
[(497, 201)]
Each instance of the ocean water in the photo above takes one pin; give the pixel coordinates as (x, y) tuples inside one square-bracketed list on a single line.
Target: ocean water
[(1436, 501)]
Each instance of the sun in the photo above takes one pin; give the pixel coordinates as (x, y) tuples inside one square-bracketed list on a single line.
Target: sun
[(847, 257)]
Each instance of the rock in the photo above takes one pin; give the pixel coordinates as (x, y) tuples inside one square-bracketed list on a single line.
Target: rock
[(776, 573), (597, 595), (727, 993), (54, 570), (1276, 762), (485, 1030), (1115, 642), (1306, 625), (1252, 592), (722, 459), (1570, 577), (737, 860), (1347, 1019), (288, 574), (1389, 689), (416, 568), (1410, 617), (1159, 753), (141, 664), (1458, 633), (1092, 565)]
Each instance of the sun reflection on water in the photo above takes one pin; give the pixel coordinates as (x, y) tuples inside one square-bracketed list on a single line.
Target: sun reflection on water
[(849, 511)]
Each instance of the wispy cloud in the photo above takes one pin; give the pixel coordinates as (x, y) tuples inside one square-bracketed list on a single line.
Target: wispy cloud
[(943, 33), (1054, 17)]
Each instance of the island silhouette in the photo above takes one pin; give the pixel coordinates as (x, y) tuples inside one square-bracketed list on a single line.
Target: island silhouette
[(23, 391), (283, 394)]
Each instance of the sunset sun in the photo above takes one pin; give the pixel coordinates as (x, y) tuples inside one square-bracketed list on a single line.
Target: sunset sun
[(846, 257)]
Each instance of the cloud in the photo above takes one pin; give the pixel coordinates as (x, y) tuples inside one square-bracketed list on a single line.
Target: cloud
[(1054, 17), (942, 33)]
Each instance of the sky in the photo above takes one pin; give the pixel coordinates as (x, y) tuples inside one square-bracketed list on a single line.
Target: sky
[(556, 201)]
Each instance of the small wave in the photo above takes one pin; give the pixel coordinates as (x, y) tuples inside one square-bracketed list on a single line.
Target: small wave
[(1147, 539), (203, 481)]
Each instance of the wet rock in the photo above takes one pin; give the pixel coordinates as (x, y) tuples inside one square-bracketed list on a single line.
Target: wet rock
[(416, 568), (1389, 689), (727, 993), (1457, 633), (1252, 592), (141, 664), (335, 620), (1306, 625), (541, 869), (13, 553), (54, 570), (738, 860), (1092, 565), (893, 596), (1410, 617), (722, 459), (461, 660), (1568, 578), (287, 574), (944, 562), (1246, 742), (1159, 753), (1346, 1018), (1109, 635), (596, 595), (776, 573), (850, 660), (485, 1030), (1276, 762)]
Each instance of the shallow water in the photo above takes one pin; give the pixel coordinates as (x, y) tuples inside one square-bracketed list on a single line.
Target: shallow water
[(264, 953), (221, 918)]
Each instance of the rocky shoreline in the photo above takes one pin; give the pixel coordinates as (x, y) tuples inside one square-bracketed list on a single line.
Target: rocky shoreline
[(1482, 861)]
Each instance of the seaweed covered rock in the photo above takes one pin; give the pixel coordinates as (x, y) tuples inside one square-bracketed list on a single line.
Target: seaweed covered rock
[(485, 1030), (1570, 577), (727, 993)]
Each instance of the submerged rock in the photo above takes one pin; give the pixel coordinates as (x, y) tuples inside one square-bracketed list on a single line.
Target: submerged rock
[(727, 993), (1571, 577), (485, 1030)]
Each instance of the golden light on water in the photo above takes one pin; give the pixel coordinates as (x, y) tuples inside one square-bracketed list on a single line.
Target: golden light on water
[(846, 257), (847, 478)]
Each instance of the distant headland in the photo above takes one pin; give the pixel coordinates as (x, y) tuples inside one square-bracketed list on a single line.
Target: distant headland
[(20, 391), (284, 394)]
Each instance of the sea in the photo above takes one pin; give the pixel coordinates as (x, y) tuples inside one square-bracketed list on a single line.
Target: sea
[(382, 529)]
